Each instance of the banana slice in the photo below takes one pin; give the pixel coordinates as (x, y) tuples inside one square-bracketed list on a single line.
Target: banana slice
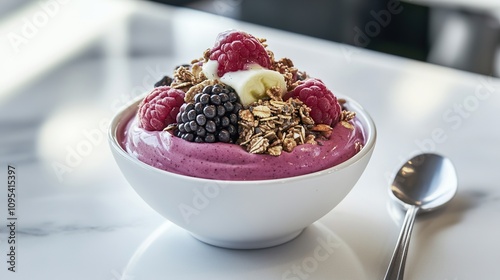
[(209, 68), (252, 84)]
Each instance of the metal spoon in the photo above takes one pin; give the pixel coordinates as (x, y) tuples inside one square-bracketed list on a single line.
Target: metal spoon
[(423, 183)]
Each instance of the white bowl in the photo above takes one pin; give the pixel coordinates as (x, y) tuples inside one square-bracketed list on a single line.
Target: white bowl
[(242, 214)]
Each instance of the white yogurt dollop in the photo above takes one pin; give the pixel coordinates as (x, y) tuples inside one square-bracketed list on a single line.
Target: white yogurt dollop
[(209, 68), (250, 84)]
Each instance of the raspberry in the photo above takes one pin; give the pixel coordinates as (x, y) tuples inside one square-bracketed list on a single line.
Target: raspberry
[(234, 50), (325, 109), (160, 107)]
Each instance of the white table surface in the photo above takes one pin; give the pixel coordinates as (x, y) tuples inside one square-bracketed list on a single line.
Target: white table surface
[(85, 222)]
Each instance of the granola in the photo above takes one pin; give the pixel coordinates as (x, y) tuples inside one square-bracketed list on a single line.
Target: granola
[(346, 115), (286, 68), (193, 90), (271, 126), (188, 76)]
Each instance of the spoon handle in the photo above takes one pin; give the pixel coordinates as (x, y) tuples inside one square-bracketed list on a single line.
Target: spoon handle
[(397, 264)]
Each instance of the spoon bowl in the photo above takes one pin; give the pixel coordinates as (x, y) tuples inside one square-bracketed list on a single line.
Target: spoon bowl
[(426, 180), (422, 184)]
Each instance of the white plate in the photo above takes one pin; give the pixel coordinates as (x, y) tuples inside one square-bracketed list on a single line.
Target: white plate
[(172, 253)]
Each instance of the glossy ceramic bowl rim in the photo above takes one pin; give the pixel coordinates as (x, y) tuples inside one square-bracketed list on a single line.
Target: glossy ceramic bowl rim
[(131, 108)]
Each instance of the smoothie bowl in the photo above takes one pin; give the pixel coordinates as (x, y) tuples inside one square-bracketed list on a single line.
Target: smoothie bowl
[(242, 154)]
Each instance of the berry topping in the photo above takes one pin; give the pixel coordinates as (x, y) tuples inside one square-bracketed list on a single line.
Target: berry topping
[(234, 50), (325, 109), (213, 117), (165, 81), (160, 107)]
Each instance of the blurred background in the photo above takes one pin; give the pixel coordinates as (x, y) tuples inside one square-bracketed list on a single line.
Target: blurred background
[(462, 34), (61, 59), (67, 66)]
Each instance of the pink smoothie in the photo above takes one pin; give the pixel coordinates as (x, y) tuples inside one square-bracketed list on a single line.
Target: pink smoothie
[(230, 161)]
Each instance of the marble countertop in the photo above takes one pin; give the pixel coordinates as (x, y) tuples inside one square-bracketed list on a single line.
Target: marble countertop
[(77, 217)]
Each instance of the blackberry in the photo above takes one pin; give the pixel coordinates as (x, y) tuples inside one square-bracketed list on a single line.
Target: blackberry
[(165, 81), (213, 117)]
